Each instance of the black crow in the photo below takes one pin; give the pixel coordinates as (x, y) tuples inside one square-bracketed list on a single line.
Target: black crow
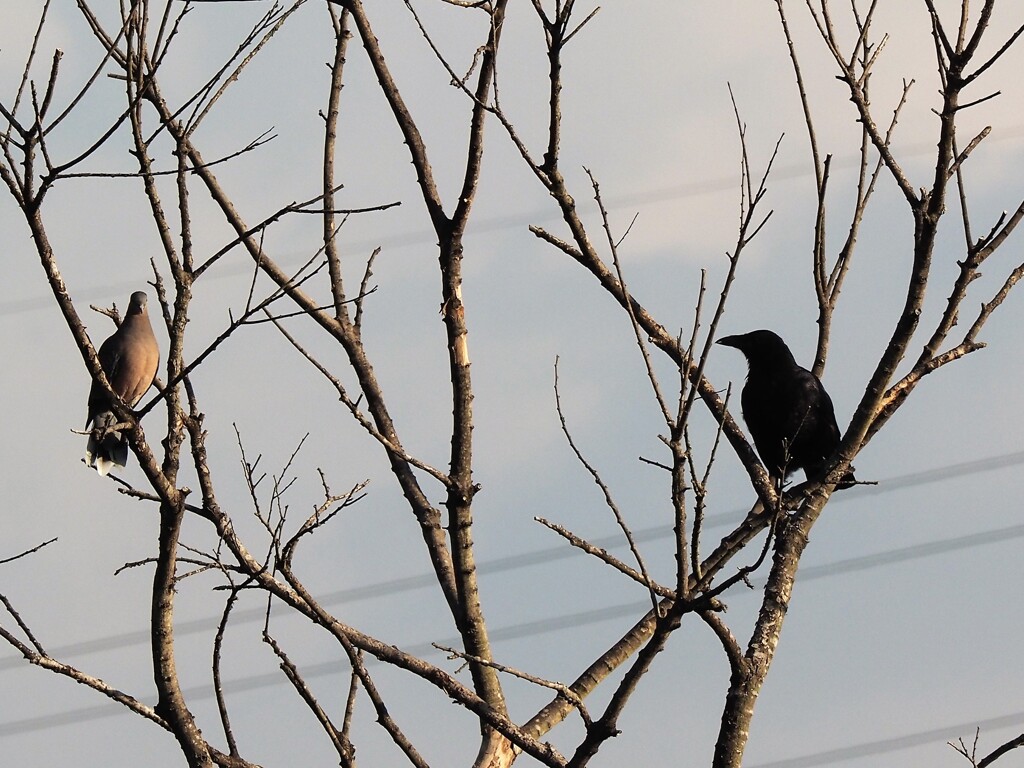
[(787, 410)]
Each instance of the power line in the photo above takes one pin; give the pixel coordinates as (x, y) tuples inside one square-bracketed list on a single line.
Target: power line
[(866, 749), (396, 240), (424, 235), (553, 554), (583, 618)]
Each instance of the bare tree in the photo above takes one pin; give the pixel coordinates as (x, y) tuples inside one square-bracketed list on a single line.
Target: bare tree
[(322, 307)]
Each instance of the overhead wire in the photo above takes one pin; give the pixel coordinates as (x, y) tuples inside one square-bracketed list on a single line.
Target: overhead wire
[(896, 743), (496, 223), (552, 554), (582, 618)]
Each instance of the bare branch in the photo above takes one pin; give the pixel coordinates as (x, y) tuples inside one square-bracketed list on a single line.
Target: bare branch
[(27, 552), (562, 689), (1001, 750), (344, 748), (609, 501), (602, 554)]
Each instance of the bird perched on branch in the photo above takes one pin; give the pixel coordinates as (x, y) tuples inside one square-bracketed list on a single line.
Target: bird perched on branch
[(787, 410), (130, 358)]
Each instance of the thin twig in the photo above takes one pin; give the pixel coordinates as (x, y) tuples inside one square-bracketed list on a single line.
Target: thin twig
[(609, 501), (562, 689), (602, 554), (27, 552)]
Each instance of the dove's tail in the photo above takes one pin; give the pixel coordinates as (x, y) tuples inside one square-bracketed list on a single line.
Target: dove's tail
[(106, 448)]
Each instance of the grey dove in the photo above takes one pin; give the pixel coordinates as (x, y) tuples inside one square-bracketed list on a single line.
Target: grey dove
[(130, 358)]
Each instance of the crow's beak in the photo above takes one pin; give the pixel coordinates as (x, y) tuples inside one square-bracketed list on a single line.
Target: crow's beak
[(729, 341)]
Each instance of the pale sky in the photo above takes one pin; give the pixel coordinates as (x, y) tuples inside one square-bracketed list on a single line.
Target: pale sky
[(905, 624)]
